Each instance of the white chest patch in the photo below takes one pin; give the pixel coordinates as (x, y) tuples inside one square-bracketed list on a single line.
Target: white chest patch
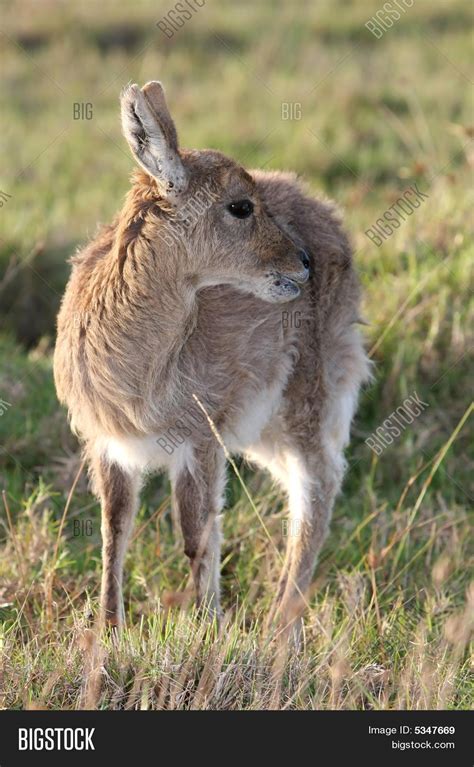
[(247, 428)]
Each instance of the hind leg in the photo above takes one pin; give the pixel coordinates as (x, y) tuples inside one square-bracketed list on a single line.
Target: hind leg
[(312, 485), (311, 481)]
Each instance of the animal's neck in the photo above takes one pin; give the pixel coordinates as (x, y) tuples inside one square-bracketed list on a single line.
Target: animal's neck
[(174, 308), (157, 298)]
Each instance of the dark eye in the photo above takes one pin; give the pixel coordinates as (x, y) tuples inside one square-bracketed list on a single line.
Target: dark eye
[(241, 208)]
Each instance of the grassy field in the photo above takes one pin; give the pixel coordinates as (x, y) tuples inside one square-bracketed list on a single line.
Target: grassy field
[(392, 609)]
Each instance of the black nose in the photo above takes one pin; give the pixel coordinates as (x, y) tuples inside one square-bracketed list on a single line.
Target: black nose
[(304, 258)]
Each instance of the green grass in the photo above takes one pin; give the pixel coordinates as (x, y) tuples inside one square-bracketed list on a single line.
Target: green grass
[(390, 616)]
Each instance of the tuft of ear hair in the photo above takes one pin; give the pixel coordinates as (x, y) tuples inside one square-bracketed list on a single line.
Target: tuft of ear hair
[(151, 135)]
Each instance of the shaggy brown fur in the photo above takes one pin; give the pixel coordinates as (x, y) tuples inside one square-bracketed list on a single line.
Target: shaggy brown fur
[(166, 303)]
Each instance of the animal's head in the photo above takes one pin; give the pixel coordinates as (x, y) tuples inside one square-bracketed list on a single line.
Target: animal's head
[(213, 212)]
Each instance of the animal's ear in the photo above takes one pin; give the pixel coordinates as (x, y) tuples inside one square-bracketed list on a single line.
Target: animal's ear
[(149, 129)]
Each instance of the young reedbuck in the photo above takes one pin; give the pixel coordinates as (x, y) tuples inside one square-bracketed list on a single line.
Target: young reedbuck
[(247, 311)]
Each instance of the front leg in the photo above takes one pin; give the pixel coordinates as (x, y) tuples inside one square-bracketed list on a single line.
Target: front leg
[(198, 490), (118, 493)]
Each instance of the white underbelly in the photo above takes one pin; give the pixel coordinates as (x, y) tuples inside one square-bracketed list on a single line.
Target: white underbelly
[(173, 450)]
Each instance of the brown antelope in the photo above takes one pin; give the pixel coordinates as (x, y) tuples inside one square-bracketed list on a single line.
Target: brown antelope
[(182, 331)]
